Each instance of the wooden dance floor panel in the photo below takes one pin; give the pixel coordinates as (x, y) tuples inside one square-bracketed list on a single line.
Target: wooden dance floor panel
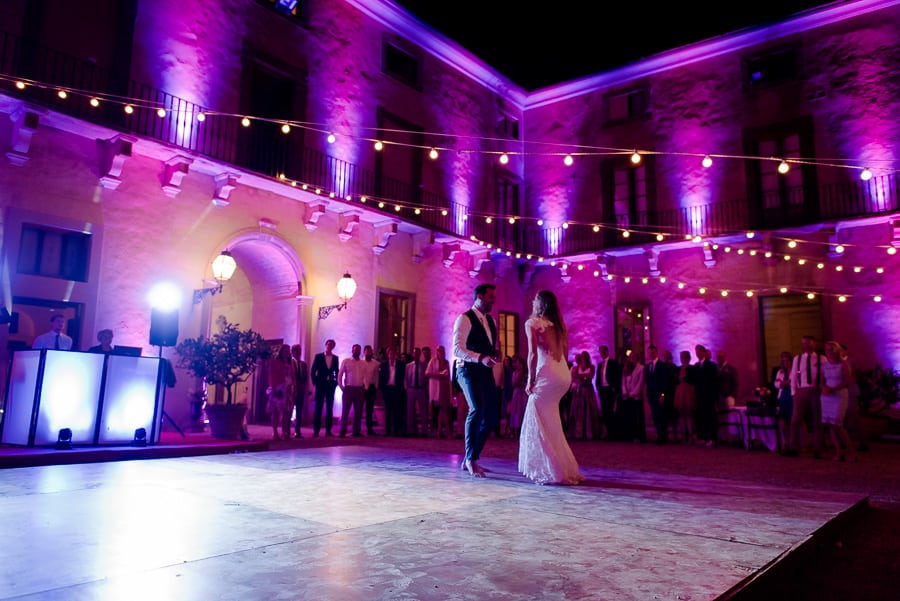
[(361, 523)]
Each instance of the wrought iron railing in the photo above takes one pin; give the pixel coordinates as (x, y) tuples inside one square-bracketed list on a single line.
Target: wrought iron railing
[(265, 150)]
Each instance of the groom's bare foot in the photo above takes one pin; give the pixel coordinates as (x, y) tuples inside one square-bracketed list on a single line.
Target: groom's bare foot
[(474, 469)]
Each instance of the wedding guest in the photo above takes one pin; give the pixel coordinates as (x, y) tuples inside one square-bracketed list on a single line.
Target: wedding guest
[(104, 337), (281, 392), (609, 388), (301, 386), (834, 397), (519, 397), (686, 399), (54, 339), (806, 382), (438, 374), (630, 412), (781, 386), (584, 416)]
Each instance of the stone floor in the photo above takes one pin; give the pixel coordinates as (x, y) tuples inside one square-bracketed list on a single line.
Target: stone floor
[(364, 522)]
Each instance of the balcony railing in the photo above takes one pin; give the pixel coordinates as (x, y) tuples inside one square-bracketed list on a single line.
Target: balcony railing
[(265, 150)]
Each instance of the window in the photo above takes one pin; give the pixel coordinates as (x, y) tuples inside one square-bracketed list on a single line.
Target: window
[(400, 64), (395, 309), (782, 198), (508, 126), (54, 253), (627, 105), (507, 333), (771, 68), (508, 204), (630, 196)]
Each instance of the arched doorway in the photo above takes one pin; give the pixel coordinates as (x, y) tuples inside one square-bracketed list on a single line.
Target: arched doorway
[(265, 294)]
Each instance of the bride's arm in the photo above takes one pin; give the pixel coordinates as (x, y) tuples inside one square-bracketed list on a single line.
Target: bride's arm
[(532, 357)]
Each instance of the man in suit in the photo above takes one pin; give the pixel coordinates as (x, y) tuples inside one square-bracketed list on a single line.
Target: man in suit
[(390, 380), (371, 370), (609, 387), (656, 376), (324, 377), (806, 381), (707, 389), (475, 350)]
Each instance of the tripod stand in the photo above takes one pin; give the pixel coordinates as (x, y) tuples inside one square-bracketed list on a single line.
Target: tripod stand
[(164, 364)]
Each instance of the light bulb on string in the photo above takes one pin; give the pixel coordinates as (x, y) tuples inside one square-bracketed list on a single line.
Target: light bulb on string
[(783, 167), (94, 102), (379, 146), (161, 113), (201, 117), (635, 158), (707, 161), (245, 121), (285, 128), (62, 94), (568, 160), (20, 85), (866, 174), (504, 159), (433, 154), (128, 109)]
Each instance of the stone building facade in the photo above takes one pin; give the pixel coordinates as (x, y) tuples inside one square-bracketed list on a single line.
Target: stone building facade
[(143, 198)]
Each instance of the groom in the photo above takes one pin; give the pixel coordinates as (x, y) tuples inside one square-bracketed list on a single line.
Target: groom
[(474, 346)]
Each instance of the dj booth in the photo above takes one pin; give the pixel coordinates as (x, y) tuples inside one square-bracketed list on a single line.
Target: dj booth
[(88, 398)]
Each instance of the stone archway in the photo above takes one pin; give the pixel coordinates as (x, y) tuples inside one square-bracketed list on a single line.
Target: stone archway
[(264, 294)]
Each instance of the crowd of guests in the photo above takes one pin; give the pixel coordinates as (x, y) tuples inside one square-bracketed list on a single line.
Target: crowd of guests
[(809, 393)]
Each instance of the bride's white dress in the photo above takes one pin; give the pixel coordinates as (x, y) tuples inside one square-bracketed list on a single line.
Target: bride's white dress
[(544, 452)]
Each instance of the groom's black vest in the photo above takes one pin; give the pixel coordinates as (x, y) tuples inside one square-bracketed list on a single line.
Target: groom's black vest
[(478, 340)]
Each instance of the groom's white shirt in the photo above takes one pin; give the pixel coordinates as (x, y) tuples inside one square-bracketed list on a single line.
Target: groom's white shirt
[(461, 330)]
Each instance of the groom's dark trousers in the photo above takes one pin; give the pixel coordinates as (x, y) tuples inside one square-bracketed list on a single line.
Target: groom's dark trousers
[(477, 384)]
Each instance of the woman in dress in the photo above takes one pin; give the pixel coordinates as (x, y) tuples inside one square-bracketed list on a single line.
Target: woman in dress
[(835, 384), (544, 453), (519, 399), (584, 421), (781, 384), (438, 374), (281, 392), (686, 399)]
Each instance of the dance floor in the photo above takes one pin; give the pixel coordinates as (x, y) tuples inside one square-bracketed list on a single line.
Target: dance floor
[(363, 523)]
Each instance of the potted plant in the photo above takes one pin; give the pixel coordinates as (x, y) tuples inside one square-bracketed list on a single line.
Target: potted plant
[(226, 358)]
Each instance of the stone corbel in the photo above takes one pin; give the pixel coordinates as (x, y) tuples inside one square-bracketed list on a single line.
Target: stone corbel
[(526, 273), (653, 261), (603, 266), (420, 242), (176, 168), (450, 252), (502, 267), (895, 232), (25, 123), (313, 213), (564, 274), (834, 240), (709, 258), (384, 231), (349, 223), (225, 184), (111, 155), (479, 258)]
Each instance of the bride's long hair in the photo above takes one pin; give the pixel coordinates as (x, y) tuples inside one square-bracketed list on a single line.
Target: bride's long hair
[(549, 308)]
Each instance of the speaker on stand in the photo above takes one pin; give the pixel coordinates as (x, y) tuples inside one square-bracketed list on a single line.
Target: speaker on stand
[(164, 332)]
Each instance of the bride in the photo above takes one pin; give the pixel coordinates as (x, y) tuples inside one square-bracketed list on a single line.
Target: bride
[(544, 453)]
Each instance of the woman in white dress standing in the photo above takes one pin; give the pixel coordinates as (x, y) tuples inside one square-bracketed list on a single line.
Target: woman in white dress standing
[(544, 453)]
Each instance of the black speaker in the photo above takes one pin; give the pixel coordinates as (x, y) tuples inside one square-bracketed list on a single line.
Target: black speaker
[(163, 327)]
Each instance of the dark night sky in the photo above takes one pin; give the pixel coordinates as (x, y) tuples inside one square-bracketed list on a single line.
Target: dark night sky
[(537, 44)]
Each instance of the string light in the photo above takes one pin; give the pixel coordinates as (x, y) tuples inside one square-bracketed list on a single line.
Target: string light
[(201, 117), (707, 161), (285, 128), (433, 154), (783, 168), (161, 113), (331, 138), (378, 145), (129, 109), (245, 121), (94, 102), (568, 160)]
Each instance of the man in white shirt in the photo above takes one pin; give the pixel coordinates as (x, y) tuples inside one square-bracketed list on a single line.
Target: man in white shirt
[(806, 379), (54, 339), (474, 346), (371, 384), (352, 381)]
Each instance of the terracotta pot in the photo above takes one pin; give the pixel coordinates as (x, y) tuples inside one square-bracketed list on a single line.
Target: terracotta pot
[(226, 421)]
